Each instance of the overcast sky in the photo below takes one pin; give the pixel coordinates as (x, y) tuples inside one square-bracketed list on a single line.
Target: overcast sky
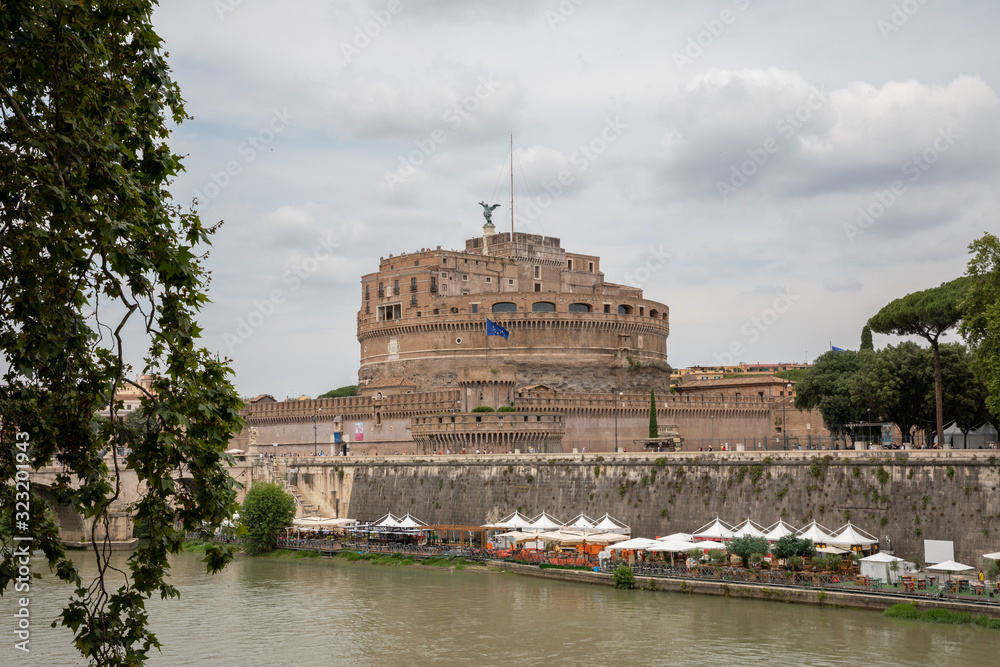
[(774, 172)]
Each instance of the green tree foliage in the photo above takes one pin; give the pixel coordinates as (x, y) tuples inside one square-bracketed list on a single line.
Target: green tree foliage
[(866, 338), (790, 545), (964, 393), (794, 374), (654, 430), (94, 250), (832, 387), (267, 510), (895, 383), (623, 577), (745, 546), (341, 392), (981, 315), (928, 314)]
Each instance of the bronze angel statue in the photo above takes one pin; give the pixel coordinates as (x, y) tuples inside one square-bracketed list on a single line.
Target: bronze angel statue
[(488, 211)]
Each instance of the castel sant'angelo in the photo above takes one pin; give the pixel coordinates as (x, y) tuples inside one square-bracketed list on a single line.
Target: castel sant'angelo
[(575, 370)]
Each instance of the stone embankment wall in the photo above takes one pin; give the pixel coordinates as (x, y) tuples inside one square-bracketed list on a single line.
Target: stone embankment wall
[(901, 497)]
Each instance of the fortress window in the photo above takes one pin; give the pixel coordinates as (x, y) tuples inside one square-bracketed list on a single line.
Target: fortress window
[(395, 286), (607, 308), (413, 284), (381, 290), (538, 287), (579, 307), (543, 307), (416, 262), (510, 281), (489, 280), (475, 308), (591, 266), (538, 272), (465, 276), (436, 311), (504, 307), (367, 295), (653, 312), (642, 310), (624, 310), (569, 264)]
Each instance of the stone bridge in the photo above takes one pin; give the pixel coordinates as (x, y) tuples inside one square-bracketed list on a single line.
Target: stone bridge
[(76, 531)]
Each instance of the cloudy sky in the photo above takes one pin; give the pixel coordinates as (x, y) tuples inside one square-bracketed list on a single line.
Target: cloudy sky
[(773, 171)]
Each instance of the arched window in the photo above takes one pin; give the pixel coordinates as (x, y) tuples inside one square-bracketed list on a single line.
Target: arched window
[(654, 312), (505, 307), (543, 307), (579, 307), (624, 310)]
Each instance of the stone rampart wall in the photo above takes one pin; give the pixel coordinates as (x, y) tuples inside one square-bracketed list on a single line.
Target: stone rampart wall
[(907, 498)]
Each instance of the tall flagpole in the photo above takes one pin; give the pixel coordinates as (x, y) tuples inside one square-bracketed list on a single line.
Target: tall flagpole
[(511, 187)]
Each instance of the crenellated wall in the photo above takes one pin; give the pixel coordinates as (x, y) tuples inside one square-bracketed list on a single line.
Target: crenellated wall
[(907, 497)]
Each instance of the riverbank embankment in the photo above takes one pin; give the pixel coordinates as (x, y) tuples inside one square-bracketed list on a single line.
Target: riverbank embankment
[(792, 594)]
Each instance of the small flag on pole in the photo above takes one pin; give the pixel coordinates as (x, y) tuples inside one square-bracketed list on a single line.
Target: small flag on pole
[(834, 348), (494, 329)]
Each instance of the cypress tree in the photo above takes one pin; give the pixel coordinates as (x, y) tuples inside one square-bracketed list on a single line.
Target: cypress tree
[(653, 429)]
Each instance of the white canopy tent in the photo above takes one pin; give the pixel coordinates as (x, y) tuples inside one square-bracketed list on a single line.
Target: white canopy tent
[(817, 533), (410, 521), (748, 529), (611, 525), (715, 530), (583, 522), (879, 566), (852, 536), (388, 521), (992, 556), (779, 530), (512, 522), (544, 522), (561, 537)]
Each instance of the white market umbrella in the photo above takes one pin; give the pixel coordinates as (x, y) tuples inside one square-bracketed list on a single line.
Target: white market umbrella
[(606, 538), (234, 451), (709, 544), (993, 556), (638, 543), (560, 536), (715, 530), (673, 546), (676, 537), (831, 550), (950, 566)]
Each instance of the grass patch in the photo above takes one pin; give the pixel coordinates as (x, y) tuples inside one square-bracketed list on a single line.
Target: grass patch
[(550, 566), (909, 611), (195, 545)]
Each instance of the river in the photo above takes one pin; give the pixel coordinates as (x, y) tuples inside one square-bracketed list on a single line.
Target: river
[(318, 612)]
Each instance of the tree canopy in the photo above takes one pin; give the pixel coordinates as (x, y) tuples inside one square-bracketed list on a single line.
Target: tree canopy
[(981, 315), (654, 429), (341, 392), (928, 314), (93, 252), (267, 510)]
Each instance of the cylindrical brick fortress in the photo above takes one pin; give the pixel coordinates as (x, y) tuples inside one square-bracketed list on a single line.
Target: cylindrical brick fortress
[(423, 319)]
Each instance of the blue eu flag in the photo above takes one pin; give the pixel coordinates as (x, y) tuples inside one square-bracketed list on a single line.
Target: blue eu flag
[(836, 349), (494, 329)]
